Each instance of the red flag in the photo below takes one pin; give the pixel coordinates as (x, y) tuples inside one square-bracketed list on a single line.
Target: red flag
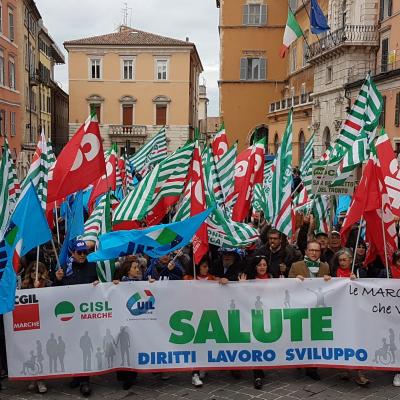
[(371, 202), (79, 164), (220, 143), (249, 170), (198, 204), (106, 182), (390, 171)]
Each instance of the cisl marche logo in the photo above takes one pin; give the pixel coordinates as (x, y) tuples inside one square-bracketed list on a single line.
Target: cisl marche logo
[(64, 311), (138, 305)]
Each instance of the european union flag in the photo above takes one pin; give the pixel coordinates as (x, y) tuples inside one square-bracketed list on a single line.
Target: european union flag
[(155, 241), (318, 21)]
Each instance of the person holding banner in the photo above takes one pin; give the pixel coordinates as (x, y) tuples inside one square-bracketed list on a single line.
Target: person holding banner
[(202, 271), (279, 253), (311, 267), (79, 271), (258, 270), (36, 276)]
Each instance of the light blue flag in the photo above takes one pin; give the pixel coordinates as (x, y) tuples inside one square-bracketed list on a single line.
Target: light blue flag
[(75, 227), (27, 229), (155, 241)]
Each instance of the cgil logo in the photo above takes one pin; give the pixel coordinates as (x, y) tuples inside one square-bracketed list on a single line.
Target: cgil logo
[(137, 305), (65, 310)]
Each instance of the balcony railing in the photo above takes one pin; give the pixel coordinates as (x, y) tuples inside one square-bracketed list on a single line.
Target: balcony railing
[(296, 101), (128, 130), (349, 35)]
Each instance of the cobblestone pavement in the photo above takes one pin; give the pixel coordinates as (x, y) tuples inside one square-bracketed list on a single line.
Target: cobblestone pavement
[(278, 385)]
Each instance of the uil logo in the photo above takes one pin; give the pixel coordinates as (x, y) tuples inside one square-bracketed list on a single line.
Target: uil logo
[(138, 304)]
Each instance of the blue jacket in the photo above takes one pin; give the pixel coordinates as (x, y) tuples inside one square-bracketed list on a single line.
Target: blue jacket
[(159, 271)]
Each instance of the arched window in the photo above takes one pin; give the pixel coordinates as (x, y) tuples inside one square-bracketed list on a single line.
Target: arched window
[(326, 138), (276, 143), (259, 133), (302, 145)]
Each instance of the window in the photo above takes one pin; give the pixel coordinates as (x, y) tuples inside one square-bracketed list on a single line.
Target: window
[(293, 5), (253, 69), (48, 101), (305, 48), (326, 138), (302, 146), (254, 14), (162, 70), (127, 69), (13, 128), (397, 111), (384, 55), (344, 13), (11, 24), (11, 73), (96, 107), (329, 74), (382, 118), (385, 9), (276, 143), (127, 114), (293, 58), (1, 17), (161, 114), (3, 123), (2, 74), (95, 68)]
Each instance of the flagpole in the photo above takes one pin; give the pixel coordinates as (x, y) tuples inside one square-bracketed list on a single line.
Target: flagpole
[(355, 248), (55, 252), (384, 243), (37, 263), (57, 227)]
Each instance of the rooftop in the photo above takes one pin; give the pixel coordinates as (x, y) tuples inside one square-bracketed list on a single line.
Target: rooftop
[(128, 37)]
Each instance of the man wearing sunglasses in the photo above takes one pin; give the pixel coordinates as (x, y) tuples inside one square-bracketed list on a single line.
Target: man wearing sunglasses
[(78, 271)]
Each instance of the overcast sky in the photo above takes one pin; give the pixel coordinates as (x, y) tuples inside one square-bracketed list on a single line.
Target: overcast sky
[(197, 19)]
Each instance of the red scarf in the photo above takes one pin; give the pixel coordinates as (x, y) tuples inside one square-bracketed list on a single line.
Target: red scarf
[(343, 273), (265, 276)]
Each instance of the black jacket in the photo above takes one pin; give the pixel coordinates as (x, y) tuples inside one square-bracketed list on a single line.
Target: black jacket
[(80, 274), (285, 255)]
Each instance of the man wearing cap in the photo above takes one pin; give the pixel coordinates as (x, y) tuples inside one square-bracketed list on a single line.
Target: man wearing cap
[(78, 271), (229, 265)]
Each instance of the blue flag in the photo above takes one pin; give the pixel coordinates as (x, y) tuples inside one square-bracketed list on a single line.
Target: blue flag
[(155, 241), (318, 21), (27, 229), (75, 227)]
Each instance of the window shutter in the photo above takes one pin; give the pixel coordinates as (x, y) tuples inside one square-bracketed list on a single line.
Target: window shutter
[(390, 8), (383, 114), (263, 68), (381, 9), (243, 68), (245, 14), (263, 14), (397, 111)]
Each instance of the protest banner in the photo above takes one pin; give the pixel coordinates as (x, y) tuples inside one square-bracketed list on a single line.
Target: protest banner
[(322, 180), (189, 325)]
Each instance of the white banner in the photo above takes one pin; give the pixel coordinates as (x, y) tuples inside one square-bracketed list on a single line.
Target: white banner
[(322, 180), (186, 325)]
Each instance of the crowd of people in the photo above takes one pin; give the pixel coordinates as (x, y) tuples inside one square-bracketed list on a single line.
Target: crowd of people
[(311, 255)]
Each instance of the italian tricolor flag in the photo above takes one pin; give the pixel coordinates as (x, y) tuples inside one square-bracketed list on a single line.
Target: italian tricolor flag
[(292, 32)]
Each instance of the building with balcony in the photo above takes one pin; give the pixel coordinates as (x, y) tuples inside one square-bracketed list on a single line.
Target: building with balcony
[(49, 55), (298, 89), (10, 76), (136, 82), (348, 49), (251, 73), (386, 69), (59, 118)]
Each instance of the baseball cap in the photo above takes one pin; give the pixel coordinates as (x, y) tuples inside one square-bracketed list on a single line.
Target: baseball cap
[(80, 245), (320, 233), (335, 233)]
